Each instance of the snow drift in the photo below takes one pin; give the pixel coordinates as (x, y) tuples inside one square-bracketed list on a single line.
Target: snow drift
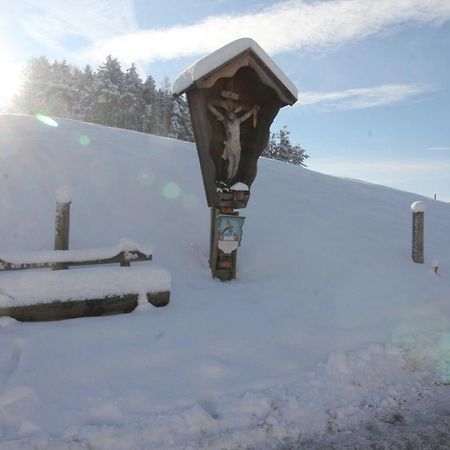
[(329, 326)]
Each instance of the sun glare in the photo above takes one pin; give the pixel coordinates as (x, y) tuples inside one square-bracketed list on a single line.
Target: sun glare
[(9, 76)]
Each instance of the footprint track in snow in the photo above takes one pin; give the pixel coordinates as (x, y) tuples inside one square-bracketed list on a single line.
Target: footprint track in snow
[(11, 363)]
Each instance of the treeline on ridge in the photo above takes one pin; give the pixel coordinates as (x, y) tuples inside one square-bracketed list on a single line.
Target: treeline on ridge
[(109, 96)]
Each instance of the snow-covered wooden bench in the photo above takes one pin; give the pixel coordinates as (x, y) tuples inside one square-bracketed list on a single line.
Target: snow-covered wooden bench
[(35, 295)]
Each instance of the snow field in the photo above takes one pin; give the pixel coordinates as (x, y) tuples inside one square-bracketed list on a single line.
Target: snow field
[(328, 328), (355, 391)]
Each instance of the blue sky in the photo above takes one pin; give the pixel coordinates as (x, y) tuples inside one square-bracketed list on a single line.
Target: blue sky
[(373, 76)]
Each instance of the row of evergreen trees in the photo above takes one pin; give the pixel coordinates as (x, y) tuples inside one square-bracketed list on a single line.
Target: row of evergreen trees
[(280, 147), (120, 99), (107, 96)]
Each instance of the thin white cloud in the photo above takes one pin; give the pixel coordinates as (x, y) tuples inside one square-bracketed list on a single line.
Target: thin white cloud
[(52, 21), (281, 27), (424, 176), (362, 98), (439, 148), (382, 172)]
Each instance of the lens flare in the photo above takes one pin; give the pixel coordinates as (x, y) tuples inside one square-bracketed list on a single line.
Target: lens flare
[(171, 191), (145, 176), (84, 140), (443, 357), (46, 120), (4, 136), (189, 202)]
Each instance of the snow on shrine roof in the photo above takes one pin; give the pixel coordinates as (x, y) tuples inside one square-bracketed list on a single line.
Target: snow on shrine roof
[(220, 57)]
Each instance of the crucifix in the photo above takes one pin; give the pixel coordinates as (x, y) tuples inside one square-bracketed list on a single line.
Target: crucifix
[(231, 121)]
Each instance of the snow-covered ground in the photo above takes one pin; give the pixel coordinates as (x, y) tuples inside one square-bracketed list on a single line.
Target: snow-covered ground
[(330, 335)]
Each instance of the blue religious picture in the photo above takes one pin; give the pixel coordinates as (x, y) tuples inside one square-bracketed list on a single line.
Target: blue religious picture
[(230, 232)]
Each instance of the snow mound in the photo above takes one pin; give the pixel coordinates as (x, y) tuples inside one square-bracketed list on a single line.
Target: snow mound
[(329, 328), (239, 187), (418, 207), (63, 194)]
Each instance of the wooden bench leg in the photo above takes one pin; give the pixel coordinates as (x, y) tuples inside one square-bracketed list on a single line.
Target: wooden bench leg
[(158, 298)]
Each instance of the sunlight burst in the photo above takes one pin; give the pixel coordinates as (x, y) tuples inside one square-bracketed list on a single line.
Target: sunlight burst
[(10, 76), (46, 120)]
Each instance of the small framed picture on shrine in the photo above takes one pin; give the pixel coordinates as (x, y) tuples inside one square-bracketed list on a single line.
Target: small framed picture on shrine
[(229, 229)]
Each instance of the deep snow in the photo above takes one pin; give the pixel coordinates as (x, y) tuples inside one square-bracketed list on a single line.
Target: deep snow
[(328, 328)]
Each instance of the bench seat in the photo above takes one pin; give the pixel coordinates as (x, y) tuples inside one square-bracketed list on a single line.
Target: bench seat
[(35, 295)]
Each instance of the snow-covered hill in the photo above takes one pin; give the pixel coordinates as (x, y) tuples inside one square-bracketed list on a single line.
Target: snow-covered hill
[(328, 326)]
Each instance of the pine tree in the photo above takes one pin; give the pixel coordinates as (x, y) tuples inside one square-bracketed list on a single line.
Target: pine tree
[(61, 90), (32, 98), (180, 126), (164, 106), (280, 147), (83, 108), (108, 88), (149, 98), (132, 101)]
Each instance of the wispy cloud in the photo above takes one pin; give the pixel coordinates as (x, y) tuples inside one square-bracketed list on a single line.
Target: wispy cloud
[(281, 27), (361, 98), (439, 148), (382, 172), (414, 175), (51, 22)]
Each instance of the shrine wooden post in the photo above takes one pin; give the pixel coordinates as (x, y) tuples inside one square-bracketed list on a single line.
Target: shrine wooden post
[(234, 94)]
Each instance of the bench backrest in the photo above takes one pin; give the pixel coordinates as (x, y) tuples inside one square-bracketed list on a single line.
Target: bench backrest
[(61, 259)]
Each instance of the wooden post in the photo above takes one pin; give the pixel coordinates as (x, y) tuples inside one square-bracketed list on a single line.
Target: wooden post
[(124, 261), (213, 250), (418, 216), (62, 223), (212, 236)]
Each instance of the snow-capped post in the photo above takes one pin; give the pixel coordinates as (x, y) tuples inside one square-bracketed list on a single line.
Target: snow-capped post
[(418, 213), (62, 222), (234, 94)]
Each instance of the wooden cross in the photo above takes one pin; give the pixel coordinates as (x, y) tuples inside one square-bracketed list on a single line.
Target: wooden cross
[(230, 97)]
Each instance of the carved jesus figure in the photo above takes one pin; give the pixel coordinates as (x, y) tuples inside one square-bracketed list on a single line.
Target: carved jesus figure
[(232, 124)]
